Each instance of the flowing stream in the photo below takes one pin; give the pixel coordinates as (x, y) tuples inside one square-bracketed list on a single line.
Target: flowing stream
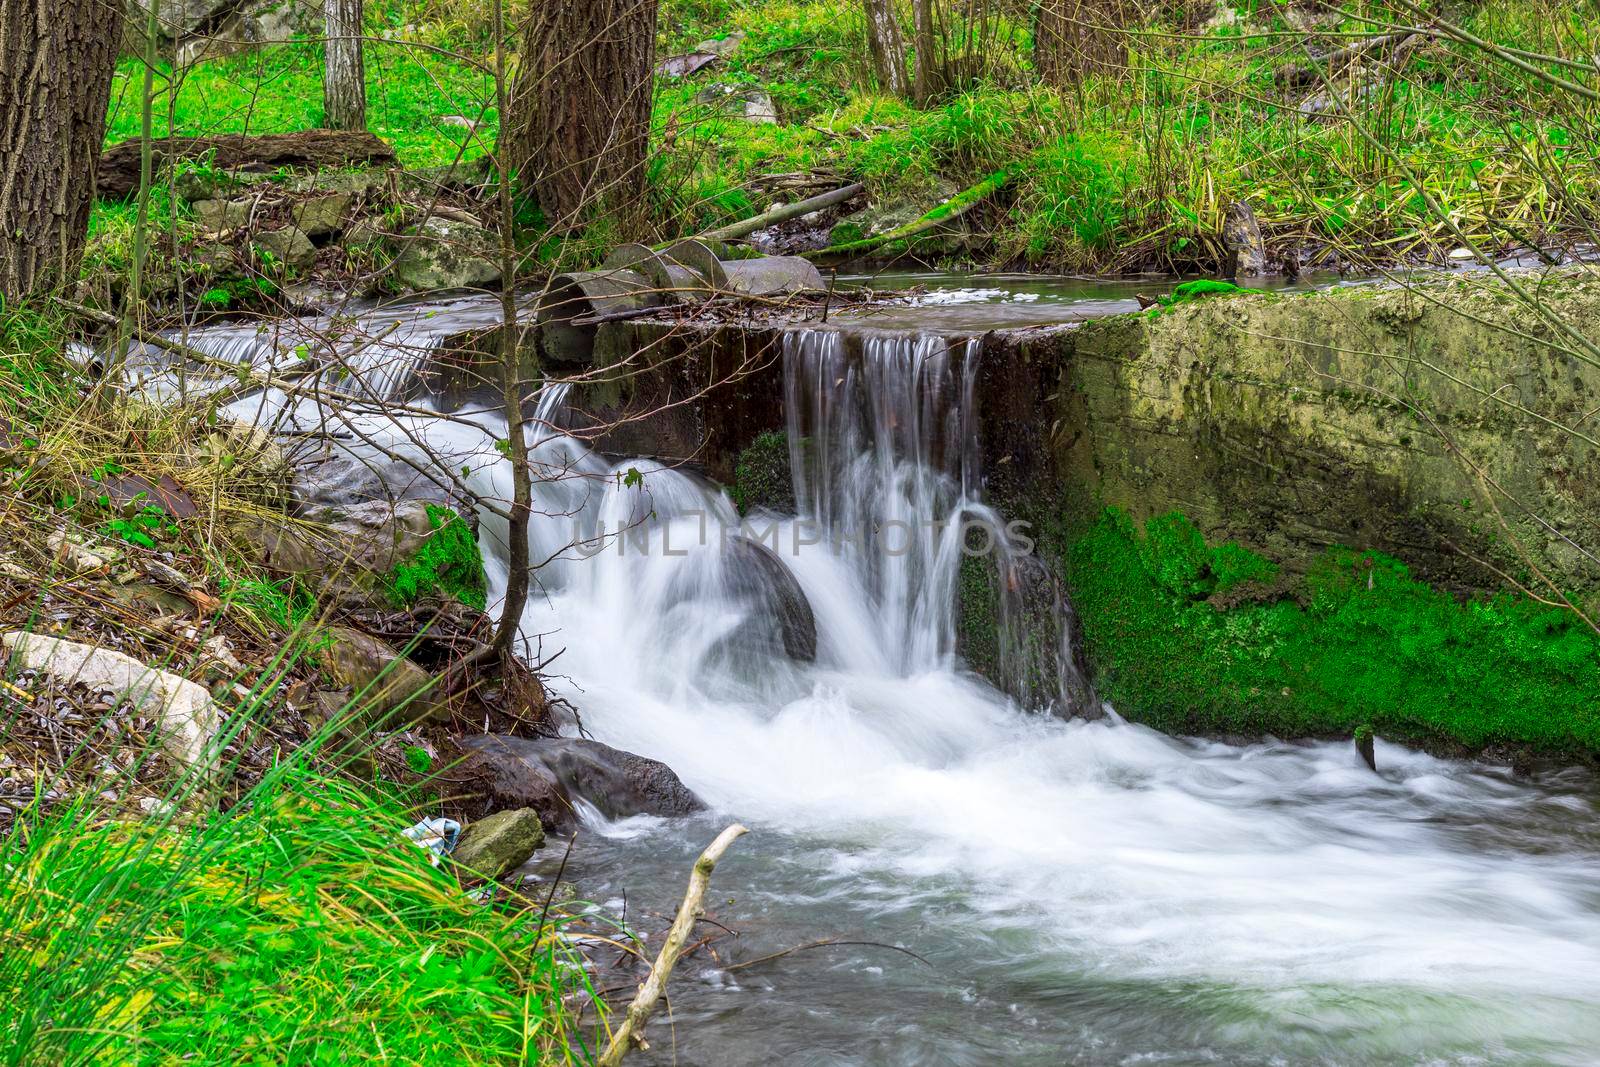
[(1073, 892)]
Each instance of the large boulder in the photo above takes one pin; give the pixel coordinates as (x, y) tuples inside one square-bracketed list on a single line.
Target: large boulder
[(550, 774), (446, 254)]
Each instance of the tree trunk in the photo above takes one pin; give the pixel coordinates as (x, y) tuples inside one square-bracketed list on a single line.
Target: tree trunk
[(1074, 38), (344, 77), (579, 124), (888, 50), (926, 42), (56, 62)]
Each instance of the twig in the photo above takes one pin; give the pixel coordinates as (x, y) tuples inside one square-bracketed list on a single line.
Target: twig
[(656, 984)]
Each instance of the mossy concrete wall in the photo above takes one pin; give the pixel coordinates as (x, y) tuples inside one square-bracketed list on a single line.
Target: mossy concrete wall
[(1448, 425)]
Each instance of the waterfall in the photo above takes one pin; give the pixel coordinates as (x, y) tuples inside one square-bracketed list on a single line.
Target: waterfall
[(884, 449)]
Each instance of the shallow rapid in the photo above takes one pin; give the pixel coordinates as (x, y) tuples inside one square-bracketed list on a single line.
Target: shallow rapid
[(1072, 892)]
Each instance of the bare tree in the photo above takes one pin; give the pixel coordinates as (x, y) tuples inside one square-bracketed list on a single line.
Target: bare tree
[(1074, 38), (887, 47), (578, 127), (344, 78), (56, 62)]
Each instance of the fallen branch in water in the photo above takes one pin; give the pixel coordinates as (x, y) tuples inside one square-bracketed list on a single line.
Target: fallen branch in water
[(632, 1028), (824, 943), (948, 211)]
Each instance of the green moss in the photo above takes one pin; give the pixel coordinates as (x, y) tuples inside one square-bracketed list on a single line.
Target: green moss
[(448, 563), (1355, 643), (761, 475)]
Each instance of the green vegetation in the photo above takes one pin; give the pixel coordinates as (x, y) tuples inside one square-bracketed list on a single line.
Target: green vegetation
[(1191, 637), (447, 563), (298, 927), (761, 475), (1129, 171)]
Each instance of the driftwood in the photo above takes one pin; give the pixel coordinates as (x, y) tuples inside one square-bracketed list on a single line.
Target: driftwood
[(119, 165), (655, 985)]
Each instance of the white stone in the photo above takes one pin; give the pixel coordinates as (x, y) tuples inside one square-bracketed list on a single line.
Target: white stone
[(187, 714)]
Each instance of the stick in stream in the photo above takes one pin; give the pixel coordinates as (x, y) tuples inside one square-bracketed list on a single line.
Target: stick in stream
[(632, 1028), (948, 211)]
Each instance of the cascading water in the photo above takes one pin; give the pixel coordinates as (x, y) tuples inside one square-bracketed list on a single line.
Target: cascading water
[(1076, 892)]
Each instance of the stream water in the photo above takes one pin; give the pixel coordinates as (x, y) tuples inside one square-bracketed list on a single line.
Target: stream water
[(1072, 892)]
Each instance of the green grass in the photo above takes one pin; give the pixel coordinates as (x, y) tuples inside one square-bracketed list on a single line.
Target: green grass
[(1190, 637), (299, 927), (278, 90)]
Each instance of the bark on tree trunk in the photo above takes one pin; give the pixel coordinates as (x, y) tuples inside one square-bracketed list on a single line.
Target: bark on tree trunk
[(579, 125), (344, 77), (887, 47), (926, 42), (1073, 38), (56, 62)]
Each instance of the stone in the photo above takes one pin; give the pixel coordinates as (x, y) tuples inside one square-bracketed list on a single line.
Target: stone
[(385, 686), (500, 843), (684, 65), (323, 216), (218, 216), (779, 616), (357, 549), (549, 774), (446, 254), (289, 247), (187, 715), (721, 47), (197, 30), (759, 108), (1241, 238)]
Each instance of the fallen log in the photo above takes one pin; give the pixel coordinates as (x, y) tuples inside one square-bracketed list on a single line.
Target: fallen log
[(1300, 75), (782, 214), (948, 211), (118, 176)]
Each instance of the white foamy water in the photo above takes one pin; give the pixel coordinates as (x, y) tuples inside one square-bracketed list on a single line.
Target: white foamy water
[(1081, 892)]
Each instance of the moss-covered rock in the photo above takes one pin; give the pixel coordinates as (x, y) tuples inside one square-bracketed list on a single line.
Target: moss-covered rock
[(447, 563), (762, 477), (1196, 637)]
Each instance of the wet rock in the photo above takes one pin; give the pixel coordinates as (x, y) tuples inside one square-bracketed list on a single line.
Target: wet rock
[(446, 254), (217, 216), (780, 613), (1016, 627), (289, 246), (187, 715), (1364, 748), (385, 686), (1241, 237), (549, 775), (499, 843), (322, 216)]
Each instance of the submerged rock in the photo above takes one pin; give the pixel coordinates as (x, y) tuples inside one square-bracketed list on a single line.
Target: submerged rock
[(550, 775), (500, 842)]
